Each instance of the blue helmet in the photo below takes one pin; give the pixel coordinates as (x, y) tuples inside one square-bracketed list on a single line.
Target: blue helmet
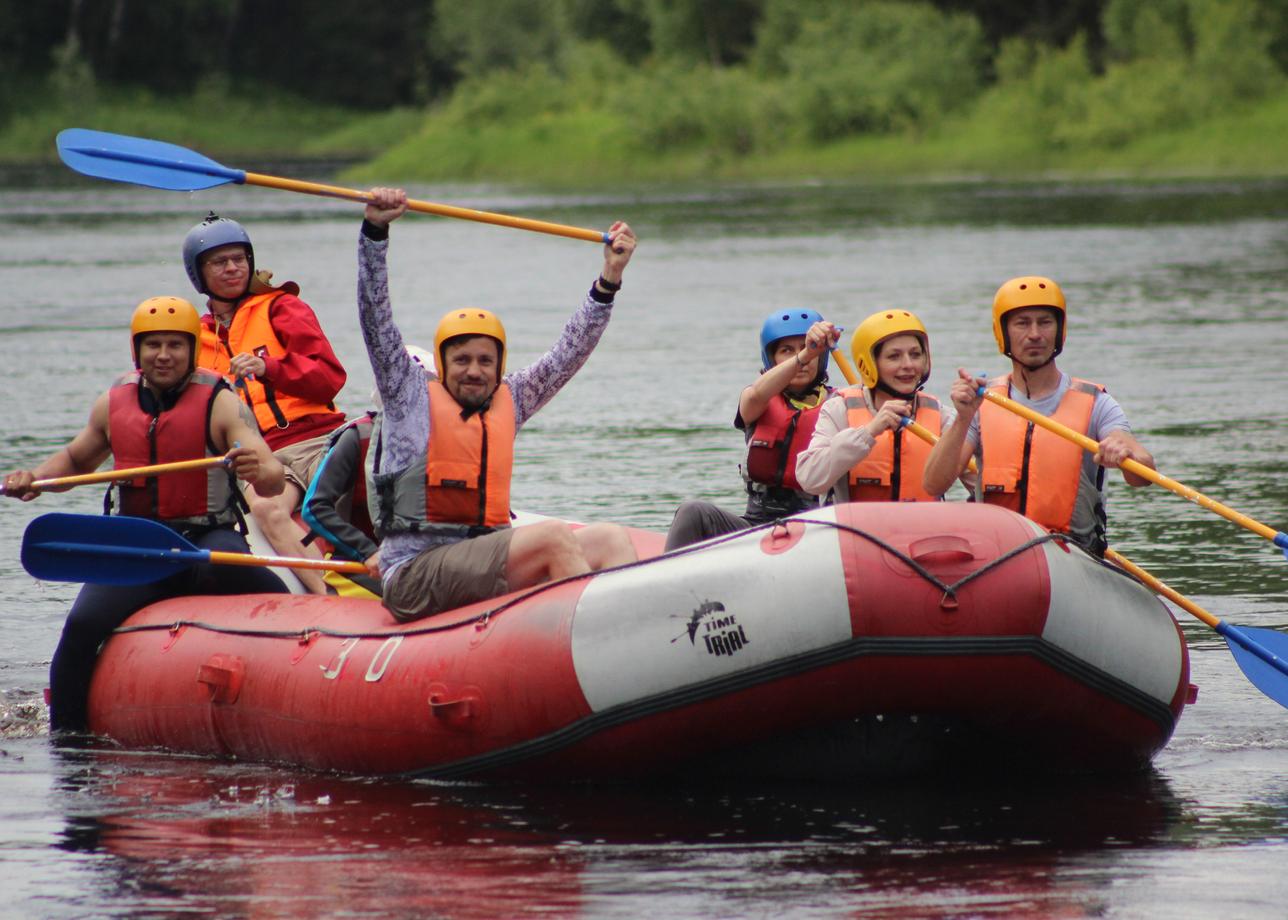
[(782, 324), (211, 233)]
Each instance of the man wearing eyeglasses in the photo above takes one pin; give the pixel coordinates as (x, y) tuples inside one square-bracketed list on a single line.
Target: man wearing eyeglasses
[(269, 345)]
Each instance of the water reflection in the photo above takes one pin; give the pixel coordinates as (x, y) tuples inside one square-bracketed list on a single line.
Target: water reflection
[(255, 841)]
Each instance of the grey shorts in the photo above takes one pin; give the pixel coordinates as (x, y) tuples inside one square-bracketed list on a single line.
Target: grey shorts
[(449, 576), (302, 460)]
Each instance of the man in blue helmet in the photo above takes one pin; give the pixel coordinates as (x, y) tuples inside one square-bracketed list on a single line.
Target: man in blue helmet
[(777, 414), (269, 345)]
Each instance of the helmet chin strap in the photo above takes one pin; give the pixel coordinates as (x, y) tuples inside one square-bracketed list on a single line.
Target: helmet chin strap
[(1026, 369), (895, 394)]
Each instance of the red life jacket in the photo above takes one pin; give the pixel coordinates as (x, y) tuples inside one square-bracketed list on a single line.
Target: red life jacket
[(176, 427), (1018, 456), (776, 438), (891, 472)]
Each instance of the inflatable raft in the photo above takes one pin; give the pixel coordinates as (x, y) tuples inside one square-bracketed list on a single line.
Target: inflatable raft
[(853, 639)]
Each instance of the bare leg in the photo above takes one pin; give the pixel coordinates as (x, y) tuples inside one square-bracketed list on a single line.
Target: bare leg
[(543, 552), (605, 545), (273, 515)]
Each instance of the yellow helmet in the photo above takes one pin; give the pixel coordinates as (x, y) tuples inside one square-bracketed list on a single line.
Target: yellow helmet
[(1028, 291), (469, 321), (165, 314), (876, 329)]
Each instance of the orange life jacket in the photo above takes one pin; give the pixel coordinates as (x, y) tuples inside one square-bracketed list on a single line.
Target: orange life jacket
[(891, 472), (176, 428), (780, 433), (463, 484), (251, 331), (1029, 469)]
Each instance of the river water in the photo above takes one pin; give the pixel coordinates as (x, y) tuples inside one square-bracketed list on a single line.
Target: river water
[(1177, 302)]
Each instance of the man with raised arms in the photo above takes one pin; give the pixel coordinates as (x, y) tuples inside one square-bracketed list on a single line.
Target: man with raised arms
[(440, 465)]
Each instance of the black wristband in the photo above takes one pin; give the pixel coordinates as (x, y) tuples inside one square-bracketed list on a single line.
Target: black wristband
[(372, 232), (608, 285)]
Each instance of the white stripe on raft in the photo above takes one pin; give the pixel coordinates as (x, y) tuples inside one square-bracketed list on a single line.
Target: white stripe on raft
[(1104, 618), (652, 629)]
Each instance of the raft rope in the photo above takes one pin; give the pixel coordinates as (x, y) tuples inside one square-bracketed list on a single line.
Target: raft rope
[(481, 620)]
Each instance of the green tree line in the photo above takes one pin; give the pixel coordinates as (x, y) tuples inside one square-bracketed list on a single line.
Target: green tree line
[(719, 79)]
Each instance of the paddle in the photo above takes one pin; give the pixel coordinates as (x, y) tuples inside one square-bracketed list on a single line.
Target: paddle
[(156, 164), (1262, 654), (114, 550), (1278, 538), (137, 472)]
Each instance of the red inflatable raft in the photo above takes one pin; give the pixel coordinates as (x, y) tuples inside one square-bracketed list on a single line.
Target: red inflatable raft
[(857, 638)]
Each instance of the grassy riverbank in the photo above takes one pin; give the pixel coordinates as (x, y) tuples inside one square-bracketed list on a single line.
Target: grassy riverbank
[(597, 148), (216, 122), (580, 146)]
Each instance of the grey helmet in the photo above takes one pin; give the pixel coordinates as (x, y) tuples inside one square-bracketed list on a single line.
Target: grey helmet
[(211, 233)]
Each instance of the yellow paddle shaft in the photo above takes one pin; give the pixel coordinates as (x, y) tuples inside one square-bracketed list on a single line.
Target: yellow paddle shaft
[(1158, 587), (429, 207), (286, 562), (138, 472), (1133, 466)]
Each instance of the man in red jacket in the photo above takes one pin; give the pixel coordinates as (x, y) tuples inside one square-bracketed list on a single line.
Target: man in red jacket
[(269, 345)]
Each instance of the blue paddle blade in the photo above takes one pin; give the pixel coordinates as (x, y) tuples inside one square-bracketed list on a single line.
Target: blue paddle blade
[(140, 161), (1262, 654), (105, 550)]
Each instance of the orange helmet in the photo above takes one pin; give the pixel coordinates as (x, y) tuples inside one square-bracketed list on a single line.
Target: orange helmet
[(165, 314), (1028, 291), (469, 321), (876, 329)]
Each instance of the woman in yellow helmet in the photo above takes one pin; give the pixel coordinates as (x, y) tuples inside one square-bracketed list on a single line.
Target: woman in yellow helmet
[(860, 449)]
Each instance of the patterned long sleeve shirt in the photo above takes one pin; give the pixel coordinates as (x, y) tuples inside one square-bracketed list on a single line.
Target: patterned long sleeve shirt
[(401, 381)]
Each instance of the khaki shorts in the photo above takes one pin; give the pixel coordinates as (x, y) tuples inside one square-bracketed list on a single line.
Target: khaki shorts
[(449, 576), (302, 460)]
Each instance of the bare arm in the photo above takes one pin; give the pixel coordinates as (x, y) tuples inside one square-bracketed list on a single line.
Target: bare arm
[(1120, 445), (818, 341), (84, 454), (948, 458), (252, 461)]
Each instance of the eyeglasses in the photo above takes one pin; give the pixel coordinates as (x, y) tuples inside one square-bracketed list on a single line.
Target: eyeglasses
[(218, 262)]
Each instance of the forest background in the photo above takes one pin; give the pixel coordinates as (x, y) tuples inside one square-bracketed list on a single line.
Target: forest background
[(580, 92)]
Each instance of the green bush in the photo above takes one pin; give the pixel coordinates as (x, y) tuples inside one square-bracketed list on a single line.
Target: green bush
[(882, 67), (725, 111)]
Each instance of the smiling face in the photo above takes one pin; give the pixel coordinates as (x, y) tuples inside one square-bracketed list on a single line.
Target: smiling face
[(165, 358), (786, 350), (1032, 334), (472, 369), (902, 363), (226, 271)]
